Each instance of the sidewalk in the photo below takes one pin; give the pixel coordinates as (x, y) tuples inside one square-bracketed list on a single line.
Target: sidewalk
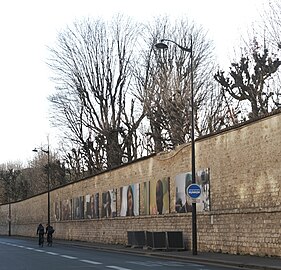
[(243, 261)]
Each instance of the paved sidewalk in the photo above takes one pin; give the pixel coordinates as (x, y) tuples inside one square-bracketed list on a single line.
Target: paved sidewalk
[(243, 261)]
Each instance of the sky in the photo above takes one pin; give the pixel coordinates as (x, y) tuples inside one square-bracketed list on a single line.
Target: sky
[(27, 27)]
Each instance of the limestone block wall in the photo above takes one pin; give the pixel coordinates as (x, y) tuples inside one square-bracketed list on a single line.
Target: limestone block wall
[(245, 195), (4, 219), (245, 166)]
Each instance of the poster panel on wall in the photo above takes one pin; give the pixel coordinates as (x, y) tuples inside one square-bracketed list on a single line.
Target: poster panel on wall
[(66, 210), (160, 196), (88, 206), (57, 207), (183, 202), (203, 179), (109, 204), (96, 211), (130, 200), (78, 207), (92, 206), (146, 193)]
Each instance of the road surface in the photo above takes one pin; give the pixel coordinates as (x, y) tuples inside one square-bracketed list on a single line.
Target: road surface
[(25, 254)]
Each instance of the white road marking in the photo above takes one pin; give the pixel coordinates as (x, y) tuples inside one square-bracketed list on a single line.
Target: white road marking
[(117, 267), (170, 263), (69, 257), (148, 264), (39, 250), (52, 253), (91, 262), (29, 248)]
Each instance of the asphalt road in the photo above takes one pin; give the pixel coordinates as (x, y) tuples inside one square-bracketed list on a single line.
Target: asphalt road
[(21, 254)]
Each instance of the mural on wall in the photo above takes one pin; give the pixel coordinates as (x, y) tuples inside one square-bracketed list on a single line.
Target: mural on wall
[(159, 196), (57, 207), (66, 210), (203, 179), (78, 207), (183, 203), (88, 206), (146, 186), (156, 199), (130, 198), (109, 204), (92, 206), (96, 213)]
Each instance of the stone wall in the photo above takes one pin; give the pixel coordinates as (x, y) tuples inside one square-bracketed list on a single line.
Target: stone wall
[(244, 164)]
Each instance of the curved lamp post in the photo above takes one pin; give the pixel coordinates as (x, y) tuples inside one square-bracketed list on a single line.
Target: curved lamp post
[(162, 45), (48, 172)]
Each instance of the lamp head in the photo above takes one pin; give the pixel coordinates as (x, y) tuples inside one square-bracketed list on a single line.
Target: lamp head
[(35, 150), (161, 45), (164, 46)]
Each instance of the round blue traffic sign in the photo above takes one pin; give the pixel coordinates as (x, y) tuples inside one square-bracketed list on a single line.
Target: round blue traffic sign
[(193, 191)]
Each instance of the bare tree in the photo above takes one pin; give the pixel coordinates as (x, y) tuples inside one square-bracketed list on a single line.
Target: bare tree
[(271, 29), (18, 182), (92, 70), (164, 82), (272, 23), (14, 184), (217, 112), (38, 169), (248, 80)]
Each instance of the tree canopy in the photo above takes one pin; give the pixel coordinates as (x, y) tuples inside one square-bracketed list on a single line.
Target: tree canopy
[(118, 98)]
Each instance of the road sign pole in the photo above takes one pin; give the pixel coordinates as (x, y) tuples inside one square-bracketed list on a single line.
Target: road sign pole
[(194, 192)]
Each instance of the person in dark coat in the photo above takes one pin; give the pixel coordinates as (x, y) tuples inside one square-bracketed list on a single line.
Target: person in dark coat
[(49, 231), (40, 233)]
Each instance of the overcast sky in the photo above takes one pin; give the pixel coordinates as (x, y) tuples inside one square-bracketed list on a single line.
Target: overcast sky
[(28, 26)]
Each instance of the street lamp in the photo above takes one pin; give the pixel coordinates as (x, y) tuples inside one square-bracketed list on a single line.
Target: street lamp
[(9, 215), (48, 172), (162, 45)]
